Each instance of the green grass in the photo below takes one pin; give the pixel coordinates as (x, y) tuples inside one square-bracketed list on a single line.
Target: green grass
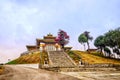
[(12, 62)]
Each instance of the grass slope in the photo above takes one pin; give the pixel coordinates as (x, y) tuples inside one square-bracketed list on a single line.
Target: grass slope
[(26, 59), (93, 58), (75, 55)]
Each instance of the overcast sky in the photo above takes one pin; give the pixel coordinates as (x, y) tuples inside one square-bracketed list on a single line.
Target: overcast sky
[(22, 21)]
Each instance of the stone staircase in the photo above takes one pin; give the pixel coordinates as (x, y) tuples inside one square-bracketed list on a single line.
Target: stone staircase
[(60, 59)]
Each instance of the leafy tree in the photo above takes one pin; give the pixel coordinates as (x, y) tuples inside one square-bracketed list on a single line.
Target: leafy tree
[(99, 43), (86, 33), (62, 38), (117, 37), (111, 39), (82, 39)]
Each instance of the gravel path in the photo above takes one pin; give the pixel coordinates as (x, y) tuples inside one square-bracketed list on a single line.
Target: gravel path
[(13, 72)]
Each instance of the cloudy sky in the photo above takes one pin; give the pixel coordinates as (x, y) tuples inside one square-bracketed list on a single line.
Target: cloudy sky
[(22, 21)]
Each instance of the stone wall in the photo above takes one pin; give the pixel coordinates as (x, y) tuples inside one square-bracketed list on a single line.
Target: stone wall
[(100, 65), (90, 67)]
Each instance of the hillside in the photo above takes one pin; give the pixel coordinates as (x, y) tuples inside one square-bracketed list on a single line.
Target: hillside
[(93, 58), (75, 55), (26, 59)]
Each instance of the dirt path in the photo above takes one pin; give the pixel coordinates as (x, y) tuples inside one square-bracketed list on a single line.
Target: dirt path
[(13, 72)]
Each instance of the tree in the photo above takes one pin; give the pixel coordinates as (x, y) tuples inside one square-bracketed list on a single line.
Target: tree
[(107, 50), (110, 40), (117, 37), (86, 33), (99, 43), (116, 50), (82, 39), (62, 38)]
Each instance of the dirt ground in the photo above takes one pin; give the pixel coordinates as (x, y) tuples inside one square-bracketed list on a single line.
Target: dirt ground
[(97, 75), (13, 72)]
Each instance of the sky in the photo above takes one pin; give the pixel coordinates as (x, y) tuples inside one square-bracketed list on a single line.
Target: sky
[(22, 21)]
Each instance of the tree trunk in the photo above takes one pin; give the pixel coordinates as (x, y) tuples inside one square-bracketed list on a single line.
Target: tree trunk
[(100, 50), (62, 46), (88, 46), (84, 47)]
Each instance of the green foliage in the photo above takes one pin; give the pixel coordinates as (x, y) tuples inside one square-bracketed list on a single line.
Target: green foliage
[(110, 39), (86, 33), (99, 43), (82, 39)]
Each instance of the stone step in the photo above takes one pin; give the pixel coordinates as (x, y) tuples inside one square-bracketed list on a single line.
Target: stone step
[(60, 59)]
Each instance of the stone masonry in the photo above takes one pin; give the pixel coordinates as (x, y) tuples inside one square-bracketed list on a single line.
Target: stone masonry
[(60, 59)]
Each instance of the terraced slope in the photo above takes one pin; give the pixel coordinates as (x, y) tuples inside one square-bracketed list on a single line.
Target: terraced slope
[(60, 59)]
